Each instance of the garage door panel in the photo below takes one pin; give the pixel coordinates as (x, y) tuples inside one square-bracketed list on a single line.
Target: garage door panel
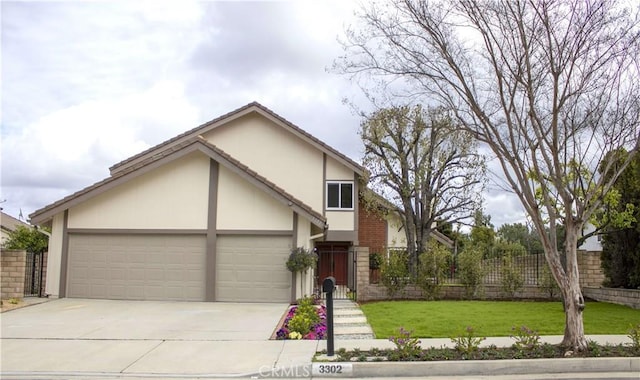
[(252, 268), (140, 267)]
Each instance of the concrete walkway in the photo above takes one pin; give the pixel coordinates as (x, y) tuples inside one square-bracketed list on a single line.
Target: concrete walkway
[(350, 322)]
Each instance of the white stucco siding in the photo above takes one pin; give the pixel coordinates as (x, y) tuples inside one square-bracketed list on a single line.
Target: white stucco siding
[(396, 237), (54, 257), (304, 233), (276, 154), (243, 206), (341, 220), (336, 171), (173, 196)]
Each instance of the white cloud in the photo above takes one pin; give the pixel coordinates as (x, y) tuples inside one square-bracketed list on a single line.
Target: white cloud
[(73, 147), (87, 84)]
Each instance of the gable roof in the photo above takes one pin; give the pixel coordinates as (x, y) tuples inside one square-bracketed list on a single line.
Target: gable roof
[(253, 107), (9, 223), (171, 153)]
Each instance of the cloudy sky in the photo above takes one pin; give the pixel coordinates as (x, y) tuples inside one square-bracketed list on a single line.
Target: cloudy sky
[(88, 84)]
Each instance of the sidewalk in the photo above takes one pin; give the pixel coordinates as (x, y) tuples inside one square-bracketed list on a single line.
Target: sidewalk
[(124, 359)]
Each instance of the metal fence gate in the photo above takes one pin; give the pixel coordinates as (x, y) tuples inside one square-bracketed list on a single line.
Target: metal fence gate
[(33, 274), (341, 263)]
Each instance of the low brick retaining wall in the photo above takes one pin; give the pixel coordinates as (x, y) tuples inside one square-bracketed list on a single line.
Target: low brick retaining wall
[(375, 292), (628, 297)]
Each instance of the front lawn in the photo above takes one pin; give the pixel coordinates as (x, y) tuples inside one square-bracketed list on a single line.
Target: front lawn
[(445, 319)]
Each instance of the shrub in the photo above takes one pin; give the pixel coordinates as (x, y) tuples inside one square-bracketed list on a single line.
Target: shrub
[(525, 338), (301, 259), (468, 342), (375, 261), (300, 323), (407, 347), (511, 279), (547, 283), (395, 272), (306, 308), (432, 269), (634, 335), (470, 270)]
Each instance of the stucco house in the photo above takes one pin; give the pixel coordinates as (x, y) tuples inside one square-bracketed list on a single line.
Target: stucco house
[(209, 215), (212, 215)]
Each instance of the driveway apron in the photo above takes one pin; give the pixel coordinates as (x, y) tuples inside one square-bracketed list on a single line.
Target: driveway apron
[(80, 335)]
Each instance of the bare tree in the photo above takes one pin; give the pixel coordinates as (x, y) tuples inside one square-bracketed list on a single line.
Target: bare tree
[(429, 170), (550, 86)]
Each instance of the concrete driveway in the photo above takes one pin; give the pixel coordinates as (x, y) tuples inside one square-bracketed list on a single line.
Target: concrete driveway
[(75, 337), (139, 320)]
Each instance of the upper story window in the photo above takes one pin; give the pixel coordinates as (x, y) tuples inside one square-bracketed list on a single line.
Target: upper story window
[(339, 195)]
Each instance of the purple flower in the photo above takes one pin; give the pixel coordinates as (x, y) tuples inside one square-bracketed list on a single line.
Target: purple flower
[(283, 333)]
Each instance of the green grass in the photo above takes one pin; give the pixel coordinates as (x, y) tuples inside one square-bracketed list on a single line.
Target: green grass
[(444, 319)]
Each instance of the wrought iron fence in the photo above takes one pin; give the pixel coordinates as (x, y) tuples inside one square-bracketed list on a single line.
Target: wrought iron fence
[(33, 275), (530, 268)]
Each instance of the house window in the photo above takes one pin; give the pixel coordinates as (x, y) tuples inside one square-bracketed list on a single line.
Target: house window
[(340, 195)]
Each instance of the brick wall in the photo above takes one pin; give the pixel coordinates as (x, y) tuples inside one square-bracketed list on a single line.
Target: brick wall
[(372, 230), (628, 297), (12, 268), (591, 273)]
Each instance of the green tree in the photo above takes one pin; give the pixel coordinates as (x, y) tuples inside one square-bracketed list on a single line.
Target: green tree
[(430, 173), (548, 86), (520, 233), (482, 234), (30, 239), (503, 248), (621, 246)]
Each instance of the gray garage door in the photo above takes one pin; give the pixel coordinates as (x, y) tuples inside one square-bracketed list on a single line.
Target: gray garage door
[(137, 267), (252, 268)]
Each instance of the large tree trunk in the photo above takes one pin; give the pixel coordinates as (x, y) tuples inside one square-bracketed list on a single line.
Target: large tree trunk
[(410, 233), (574, 337)]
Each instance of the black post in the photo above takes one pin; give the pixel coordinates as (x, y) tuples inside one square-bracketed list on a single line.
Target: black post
[(328, 286)]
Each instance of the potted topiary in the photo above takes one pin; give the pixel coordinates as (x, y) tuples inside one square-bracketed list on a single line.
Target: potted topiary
[(301, 259)]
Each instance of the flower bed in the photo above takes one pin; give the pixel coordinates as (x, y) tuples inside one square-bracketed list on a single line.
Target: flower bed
[(304, 321)]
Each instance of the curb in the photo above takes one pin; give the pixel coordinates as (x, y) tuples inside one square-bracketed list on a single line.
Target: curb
[(482, 367), (444, 369)]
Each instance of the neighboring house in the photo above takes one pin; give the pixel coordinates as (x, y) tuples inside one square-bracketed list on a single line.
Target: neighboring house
[(381, 227), (209, 215), (22, 272), (9, 224), (592, 243)]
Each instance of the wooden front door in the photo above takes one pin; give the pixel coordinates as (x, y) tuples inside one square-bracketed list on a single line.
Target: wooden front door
[(332, 261)]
